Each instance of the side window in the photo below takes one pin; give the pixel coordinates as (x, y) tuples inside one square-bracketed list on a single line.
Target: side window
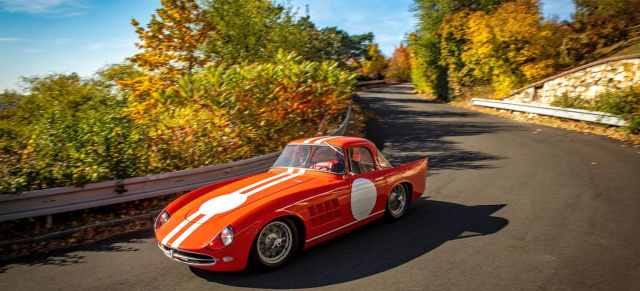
[(360, 160), (382, 161)]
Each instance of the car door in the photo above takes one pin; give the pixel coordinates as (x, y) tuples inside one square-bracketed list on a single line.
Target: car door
[(368, 185)]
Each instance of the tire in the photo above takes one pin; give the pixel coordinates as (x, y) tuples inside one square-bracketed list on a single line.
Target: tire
[(274, 245), (397, 202)]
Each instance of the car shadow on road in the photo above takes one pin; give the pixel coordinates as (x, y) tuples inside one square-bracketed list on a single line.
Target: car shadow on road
[(372, 249)]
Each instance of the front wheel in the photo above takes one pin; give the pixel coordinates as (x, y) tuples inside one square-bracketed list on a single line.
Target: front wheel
[(397, 202), (274, 245)]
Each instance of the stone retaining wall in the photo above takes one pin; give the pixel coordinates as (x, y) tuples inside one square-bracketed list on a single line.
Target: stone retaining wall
[(587, 81)]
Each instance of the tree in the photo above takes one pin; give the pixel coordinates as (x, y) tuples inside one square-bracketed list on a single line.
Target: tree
[(256, 30), (333, 44), (507, 47), (374, 63), (251, 30), (597, 24), (171, 47), (427, 72), (399, 64), (173, 39)]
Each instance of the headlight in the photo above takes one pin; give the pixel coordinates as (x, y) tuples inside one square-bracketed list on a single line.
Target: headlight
[(162, 218), (222, 240)]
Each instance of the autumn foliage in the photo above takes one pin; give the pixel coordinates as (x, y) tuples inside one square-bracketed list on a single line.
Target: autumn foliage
[(460, 45), (171, 47), (224, 113), (505, 47), (399, 64), (176, 105), (374, 63)]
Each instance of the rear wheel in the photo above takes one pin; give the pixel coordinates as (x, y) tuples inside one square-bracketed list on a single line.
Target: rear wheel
[(397, 202), (274, 245)]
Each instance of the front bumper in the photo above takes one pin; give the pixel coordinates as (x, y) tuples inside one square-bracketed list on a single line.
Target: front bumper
[(189, 258)]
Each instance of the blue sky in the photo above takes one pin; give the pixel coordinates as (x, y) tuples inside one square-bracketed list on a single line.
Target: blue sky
[(38, 37)]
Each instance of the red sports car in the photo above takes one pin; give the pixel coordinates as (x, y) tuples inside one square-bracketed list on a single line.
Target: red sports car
[(318, 189)]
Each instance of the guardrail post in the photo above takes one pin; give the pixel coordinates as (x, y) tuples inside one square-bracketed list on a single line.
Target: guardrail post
[(49, 219)]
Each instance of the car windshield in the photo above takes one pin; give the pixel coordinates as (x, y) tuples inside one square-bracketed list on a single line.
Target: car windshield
[(323, 157)]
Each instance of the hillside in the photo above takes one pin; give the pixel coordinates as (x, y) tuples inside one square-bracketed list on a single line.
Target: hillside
[(623, 48)]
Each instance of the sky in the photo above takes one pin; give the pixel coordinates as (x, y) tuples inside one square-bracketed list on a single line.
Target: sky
[(39, 37)]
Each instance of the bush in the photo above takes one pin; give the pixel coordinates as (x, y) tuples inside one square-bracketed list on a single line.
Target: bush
[(74, 131), (625, 103), (567, 101), (225, 113), (67, 131)]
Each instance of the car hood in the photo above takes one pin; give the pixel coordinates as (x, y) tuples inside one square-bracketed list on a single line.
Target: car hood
[(244, 193)]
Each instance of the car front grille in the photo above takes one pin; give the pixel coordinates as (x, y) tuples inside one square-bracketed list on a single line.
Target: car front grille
[(189, 258)]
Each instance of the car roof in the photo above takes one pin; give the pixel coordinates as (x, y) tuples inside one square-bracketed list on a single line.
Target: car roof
[(341, 141)]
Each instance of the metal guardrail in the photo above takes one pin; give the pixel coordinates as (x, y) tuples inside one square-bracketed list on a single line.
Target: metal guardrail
[(577, 114), (64, 199)]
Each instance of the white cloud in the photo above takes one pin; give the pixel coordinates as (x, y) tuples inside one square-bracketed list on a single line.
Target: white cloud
[(9, 39), (47, 7), (32, 50)]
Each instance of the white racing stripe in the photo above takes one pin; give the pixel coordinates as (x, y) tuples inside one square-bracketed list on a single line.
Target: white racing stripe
[(190, 230), (323, 139), (286, 176), (193, 216), (179, 227), (289, 171), (311, 139), (300, 172)]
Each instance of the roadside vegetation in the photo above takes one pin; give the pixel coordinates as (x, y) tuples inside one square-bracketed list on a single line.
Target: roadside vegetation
[(623, 102), (215, 81), (461, 46), (488, 48)]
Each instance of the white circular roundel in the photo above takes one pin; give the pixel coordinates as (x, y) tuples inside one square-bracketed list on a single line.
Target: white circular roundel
[(222, 203), (363, 198)]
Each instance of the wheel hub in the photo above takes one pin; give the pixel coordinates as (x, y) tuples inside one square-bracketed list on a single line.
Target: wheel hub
[(275, 242)]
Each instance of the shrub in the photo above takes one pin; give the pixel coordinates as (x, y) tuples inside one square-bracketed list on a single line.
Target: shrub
[(625, 103), (67, 131), (226, 113), (74, 131), (567, 101)]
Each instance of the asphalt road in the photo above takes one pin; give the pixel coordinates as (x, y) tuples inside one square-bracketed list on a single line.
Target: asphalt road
[(508, 206)]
